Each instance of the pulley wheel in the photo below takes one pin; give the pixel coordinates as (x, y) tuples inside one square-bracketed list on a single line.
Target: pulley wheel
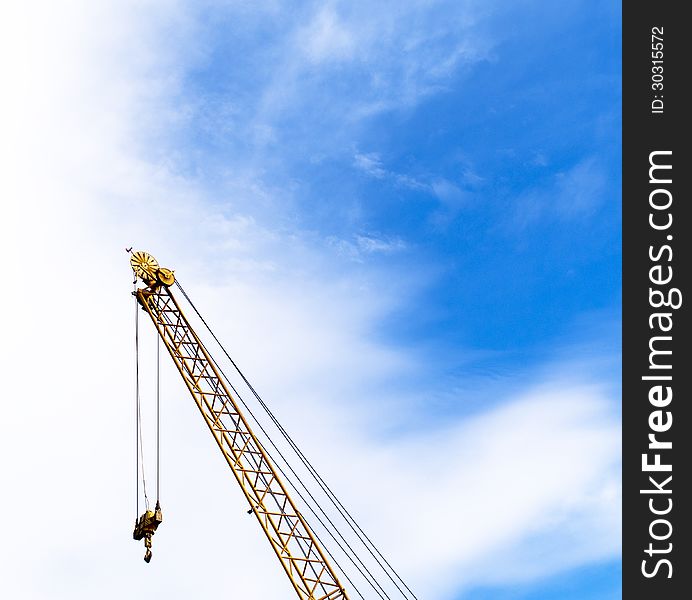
[(144, 265)]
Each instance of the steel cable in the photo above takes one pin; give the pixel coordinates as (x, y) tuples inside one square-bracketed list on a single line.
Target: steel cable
[(341, 509), (295, 489), (139, 446)]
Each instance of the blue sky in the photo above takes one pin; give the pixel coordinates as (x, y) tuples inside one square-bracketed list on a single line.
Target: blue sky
[(498, 175), (404, 220), (468, 150), (475, 149), (587, 583)]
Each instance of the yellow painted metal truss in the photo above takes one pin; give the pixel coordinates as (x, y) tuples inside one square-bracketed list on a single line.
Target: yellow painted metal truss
[(288, 533)]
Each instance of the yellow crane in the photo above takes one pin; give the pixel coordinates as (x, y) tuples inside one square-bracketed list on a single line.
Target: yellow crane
[(263, 482), (294, 543)]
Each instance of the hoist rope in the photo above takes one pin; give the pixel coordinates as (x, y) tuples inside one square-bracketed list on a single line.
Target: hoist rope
[(287, 478), (311, 469), (341, 509), (136, 411), (139, 448), (158, 418), (344, 513), (369, 578)]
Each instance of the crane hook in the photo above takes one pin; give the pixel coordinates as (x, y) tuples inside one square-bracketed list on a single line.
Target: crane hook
[(145, 527)]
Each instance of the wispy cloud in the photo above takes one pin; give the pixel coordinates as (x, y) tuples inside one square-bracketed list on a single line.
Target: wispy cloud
[(371, 164), (450, 198), (373, 244), (327, 38), (371, 58), (361, 246), (572, 194)]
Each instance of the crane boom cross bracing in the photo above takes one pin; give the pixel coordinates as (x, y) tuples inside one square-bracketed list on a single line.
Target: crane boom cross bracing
[(290, 536)]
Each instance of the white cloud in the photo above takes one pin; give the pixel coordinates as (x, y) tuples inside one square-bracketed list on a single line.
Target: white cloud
[(569, 195), (450, 198), (363, 246), (329, 67), (326, 37), (370, 163), (370, 244), (449, 194), (84, 109)]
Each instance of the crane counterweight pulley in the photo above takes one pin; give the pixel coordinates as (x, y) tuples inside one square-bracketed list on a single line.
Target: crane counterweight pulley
[(146, 268)]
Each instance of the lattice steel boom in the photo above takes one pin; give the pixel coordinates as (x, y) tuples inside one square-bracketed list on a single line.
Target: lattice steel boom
[(288, 533)]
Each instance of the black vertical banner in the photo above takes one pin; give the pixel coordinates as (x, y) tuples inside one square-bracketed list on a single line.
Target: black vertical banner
[(657, 366)]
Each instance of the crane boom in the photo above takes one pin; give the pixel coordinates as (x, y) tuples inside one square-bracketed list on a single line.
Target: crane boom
[(290, 536)]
